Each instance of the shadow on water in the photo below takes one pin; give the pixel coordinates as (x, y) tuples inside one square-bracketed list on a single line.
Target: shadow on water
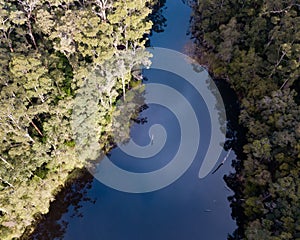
[(157, 17), (188, 209), (50, 226)]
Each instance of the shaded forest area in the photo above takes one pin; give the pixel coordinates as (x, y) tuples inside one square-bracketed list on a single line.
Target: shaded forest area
[(50, 51), (255, 46)]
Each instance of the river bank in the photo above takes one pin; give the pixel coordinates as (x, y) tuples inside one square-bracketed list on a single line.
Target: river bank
[(255, 47), (49, 51), (189, 206)]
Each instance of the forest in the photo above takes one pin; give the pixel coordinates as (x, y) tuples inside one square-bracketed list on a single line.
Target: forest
[(255, 46), (50, 52)]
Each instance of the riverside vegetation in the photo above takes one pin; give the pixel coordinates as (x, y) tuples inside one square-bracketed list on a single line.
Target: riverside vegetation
[(49, 50), (255, 46)]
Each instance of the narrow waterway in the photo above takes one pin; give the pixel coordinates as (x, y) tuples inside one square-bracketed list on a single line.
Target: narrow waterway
[(188, 209)]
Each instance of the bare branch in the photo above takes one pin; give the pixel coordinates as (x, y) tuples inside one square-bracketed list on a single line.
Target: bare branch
[(277, 64), (6, 162), (285, 82), (6, 182)]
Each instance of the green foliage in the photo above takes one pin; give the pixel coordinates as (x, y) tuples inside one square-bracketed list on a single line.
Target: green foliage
[(49, 52), (255, 46)]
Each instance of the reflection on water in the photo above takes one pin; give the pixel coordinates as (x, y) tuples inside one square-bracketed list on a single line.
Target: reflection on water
[(70, 199), (189, 208)]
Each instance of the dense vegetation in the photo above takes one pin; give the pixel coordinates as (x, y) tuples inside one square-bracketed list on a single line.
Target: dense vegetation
[(255, 46), (49, 50)]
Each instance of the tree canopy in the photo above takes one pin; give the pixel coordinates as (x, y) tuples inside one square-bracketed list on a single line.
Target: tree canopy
[(49, 51), (255, 46)]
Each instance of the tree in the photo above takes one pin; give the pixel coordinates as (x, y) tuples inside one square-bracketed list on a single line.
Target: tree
[(50, 51), (254, 45)]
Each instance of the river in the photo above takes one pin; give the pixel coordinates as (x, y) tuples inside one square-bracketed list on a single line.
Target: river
[(189, 208)]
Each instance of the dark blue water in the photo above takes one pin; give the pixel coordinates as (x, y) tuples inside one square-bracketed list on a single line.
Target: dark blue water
[(188, 209)]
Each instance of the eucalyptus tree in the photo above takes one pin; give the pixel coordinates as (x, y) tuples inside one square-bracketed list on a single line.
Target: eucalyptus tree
[(51, 52)]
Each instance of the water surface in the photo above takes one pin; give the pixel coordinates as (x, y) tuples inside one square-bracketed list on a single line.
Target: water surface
[(190, 208)]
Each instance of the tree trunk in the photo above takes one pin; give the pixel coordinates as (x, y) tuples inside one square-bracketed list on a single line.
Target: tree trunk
[(36, 128), (6, 162), (123, 85)]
